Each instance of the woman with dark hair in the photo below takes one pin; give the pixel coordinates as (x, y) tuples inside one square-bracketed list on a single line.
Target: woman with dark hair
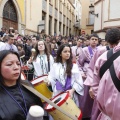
[(15, 100), (64, 75), (42, 61)]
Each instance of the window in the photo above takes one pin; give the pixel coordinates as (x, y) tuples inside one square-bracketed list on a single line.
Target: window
[(9, 11), (43, 16), (114, 9)]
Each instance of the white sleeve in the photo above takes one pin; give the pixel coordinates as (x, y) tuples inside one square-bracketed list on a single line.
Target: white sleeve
[(2, 47), (16, 49), (51, 76), (77, 80), (51, 61)]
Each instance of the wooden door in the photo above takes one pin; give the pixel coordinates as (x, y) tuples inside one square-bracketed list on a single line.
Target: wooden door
[(10, 16)]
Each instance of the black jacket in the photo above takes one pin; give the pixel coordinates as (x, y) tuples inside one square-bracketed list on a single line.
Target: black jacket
[(9, 109), (27, 50)]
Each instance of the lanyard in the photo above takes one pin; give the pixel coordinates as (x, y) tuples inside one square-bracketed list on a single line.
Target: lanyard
[(24, 111), (91, 51), (42, 64)]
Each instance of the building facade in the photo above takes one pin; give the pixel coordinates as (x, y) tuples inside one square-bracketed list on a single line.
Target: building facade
[(12, 14), (54, 17), (108, 16), (57, 17), (78, 14), (87, 20)]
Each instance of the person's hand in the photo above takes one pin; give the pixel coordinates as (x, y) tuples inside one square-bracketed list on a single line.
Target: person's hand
[(91, 93), (84, 76), (30, 60), (71, 92), (46, 80)]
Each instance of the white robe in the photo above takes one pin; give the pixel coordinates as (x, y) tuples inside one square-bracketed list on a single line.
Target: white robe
[(58, 71), (38, 71)]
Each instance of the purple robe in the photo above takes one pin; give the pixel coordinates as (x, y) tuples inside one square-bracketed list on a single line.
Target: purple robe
[(108, 97), (84, 58), (86, 102), (89, 80)]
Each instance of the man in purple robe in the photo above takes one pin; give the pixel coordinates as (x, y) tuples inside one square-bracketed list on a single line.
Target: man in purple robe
[(86, 102), (89, 79), (104, 89)]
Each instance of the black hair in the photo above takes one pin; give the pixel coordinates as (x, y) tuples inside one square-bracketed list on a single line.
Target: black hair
[(80, 38), (69, 61), (37, 37), (46, 50), (10, 35), (3, 54), (113, 36), (94, 35)]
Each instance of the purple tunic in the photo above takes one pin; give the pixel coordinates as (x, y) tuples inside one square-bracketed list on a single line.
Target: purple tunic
[(108, 97), (86, 102), (89, 80)]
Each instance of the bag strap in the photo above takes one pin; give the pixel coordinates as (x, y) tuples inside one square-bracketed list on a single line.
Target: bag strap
[(109, 64), (107, 47), (110, 58), (115, 80), (48, 101)]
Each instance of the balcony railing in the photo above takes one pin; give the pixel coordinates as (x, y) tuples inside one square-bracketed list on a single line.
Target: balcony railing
[(77, 24)]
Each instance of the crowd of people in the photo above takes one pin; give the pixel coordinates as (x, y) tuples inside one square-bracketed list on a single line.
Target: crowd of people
[(72, 64)]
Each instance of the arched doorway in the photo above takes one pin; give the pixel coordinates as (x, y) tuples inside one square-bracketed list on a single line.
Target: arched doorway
[(10, 18)]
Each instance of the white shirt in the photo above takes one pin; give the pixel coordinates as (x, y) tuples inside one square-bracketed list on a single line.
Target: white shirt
[(1, 44), (7, 46)]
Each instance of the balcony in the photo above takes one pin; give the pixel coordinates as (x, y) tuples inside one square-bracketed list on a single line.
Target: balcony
[(89, 21), (77, 24), (44, 5)]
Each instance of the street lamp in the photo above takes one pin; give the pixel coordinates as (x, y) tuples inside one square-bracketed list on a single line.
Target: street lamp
[(91, 7)]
